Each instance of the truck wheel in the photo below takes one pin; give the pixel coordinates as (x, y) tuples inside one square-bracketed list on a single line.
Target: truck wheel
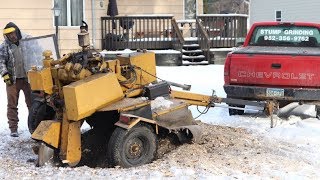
[(317, 107), (39, 111), (236, 111), (133, 147), (283, 103)]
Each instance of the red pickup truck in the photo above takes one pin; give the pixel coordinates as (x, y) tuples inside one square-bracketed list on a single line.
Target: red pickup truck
[(278, 61)]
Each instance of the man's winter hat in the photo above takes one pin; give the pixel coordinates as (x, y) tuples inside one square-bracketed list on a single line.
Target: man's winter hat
[(11, 27)]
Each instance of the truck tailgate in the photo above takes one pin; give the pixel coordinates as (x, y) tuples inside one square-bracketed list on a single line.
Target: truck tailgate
[(278, 67)]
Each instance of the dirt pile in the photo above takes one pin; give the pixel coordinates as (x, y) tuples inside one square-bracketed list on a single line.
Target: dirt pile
[(226, 150)]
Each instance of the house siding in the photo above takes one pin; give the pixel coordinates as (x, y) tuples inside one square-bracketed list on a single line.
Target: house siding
[(292, 10), (35, 17)]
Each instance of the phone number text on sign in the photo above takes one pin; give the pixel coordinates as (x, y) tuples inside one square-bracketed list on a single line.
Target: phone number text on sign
[(287, 38)]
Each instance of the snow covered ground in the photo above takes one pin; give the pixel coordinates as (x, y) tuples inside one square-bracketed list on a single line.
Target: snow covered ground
[(288, 151)]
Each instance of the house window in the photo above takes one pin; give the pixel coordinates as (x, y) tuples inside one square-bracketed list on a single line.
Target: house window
[(71, 12), (278, 15)]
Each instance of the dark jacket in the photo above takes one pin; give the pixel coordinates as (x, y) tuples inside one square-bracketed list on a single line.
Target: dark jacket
[(6, 55)]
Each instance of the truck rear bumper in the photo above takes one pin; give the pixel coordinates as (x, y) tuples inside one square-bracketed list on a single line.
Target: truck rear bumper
[(259, 93)]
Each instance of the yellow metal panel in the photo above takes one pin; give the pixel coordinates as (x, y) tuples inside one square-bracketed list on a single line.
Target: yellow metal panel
[(145, 67), (41, 80), (126, 104), (48, 132), (84, 97), (159, 112), (111, 64), (74, 144), (147, 62)]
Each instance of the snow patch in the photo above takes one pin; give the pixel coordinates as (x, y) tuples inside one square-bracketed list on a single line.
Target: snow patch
[(161, 103)]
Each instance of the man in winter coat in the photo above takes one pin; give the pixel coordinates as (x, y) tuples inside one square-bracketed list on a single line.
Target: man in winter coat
[(14, 73)]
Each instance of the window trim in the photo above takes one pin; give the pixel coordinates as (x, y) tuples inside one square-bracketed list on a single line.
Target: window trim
[(69, 15)]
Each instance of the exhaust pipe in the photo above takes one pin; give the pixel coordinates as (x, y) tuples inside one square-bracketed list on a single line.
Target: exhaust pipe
[(185, 87)]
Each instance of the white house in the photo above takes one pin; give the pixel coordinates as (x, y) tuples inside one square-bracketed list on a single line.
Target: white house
[(284, 10)]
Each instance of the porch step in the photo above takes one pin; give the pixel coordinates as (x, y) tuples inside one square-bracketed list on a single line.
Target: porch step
[(190, 41), (192, 53), (191, 46), (198, 58), (195, 63)]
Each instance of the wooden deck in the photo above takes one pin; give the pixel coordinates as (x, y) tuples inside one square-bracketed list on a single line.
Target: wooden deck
[(161, 32)]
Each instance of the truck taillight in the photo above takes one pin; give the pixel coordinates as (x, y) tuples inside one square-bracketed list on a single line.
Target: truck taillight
[(227, 69)]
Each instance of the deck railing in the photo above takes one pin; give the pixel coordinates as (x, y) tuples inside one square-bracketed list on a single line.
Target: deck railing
[(203, 39), (177, 37), (137, 32), (224, 29), (163, 32), (188, 28)]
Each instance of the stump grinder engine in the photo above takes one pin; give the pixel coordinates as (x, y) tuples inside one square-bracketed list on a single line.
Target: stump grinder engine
[(121, 100)]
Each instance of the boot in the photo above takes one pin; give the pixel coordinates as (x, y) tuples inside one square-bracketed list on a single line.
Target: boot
[(14, 133)]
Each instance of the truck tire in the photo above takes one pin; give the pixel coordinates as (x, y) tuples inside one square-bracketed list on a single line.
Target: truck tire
[(283, 103), (236, 111), (317, 108), (133, 147), (39, 111)]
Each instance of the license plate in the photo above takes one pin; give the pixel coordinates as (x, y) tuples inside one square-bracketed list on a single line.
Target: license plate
[(274, 92)]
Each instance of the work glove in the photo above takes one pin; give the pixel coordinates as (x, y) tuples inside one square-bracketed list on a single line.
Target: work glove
[(7, 78)]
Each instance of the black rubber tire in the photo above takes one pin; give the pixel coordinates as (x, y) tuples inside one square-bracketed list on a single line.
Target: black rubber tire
[(39, 111), (283, 103), (122, 148), (317, 108), (236, 111)]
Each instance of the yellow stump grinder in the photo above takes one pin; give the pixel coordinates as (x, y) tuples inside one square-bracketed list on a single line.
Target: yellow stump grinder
[(120, 99)]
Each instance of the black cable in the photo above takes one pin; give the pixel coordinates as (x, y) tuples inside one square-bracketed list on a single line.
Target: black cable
[(203, 112), (148, 72), (206, 109)]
